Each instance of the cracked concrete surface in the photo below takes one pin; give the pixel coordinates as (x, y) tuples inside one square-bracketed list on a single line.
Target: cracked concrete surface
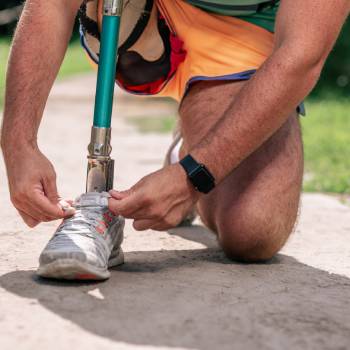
[(176, 290)]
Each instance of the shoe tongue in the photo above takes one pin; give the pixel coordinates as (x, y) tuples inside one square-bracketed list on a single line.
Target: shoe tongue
[(92, 199)]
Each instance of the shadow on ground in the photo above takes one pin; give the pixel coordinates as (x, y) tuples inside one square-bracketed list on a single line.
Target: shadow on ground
[(198, 299)]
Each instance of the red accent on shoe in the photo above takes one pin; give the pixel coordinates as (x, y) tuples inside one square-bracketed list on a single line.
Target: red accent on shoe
[(107, 217), (101, 230)]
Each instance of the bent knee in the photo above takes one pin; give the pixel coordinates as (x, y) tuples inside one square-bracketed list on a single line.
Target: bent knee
[(253, 250), (253, 241)]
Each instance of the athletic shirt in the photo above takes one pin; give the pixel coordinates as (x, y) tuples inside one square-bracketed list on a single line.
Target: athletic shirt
[(264, 18)]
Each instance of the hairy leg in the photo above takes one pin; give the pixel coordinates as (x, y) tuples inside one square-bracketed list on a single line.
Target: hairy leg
[(253, 211)]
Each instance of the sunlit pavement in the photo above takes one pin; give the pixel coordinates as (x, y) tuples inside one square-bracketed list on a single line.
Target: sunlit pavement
[(176, 290)]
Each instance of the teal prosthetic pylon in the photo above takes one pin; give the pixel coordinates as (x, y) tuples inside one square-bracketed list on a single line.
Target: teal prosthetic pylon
[(100, 165)]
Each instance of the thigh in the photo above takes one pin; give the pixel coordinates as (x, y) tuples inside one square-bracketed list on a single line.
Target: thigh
[(264, 190)]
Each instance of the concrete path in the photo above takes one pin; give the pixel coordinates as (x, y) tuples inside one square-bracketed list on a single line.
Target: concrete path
[(176, 290)]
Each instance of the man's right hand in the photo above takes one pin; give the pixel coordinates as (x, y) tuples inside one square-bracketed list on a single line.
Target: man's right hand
[(32, 183)]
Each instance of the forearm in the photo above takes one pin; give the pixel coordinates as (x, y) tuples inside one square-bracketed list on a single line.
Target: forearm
[(260, 109), (37, 52), (304, 35)]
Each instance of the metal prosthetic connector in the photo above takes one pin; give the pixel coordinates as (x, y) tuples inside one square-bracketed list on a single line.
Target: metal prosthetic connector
[(113, 7), (100, 171)]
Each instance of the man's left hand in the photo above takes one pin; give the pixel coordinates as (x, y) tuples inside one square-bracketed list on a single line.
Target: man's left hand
[(159, 201)]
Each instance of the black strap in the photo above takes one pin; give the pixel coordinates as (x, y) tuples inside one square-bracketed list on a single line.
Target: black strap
[(189, 164), (139, 28), (253, 7), (91, 27), (265, 5), (134, 70), (88, 25)]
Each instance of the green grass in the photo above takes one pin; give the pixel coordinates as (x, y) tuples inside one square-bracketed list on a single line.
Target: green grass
[(75, 62), (326, 131), (4, 50), (159, 124)]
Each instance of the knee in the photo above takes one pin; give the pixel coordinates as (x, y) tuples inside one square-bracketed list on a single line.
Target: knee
[(252, 239)]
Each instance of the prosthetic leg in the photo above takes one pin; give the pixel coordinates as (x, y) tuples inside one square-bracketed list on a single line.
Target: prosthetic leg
[(73, 256), (100, 171)]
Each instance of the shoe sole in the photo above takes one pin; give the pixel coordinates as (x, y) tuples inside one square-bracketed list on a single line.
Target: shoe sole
[(72, 269)]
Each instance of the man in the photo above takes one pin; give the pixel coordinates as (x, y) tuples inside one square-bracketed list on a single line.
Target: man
[(243, 131)]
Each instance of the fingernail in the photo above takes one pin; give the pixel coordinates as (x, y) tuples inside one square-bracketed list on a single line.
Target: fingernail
[(64, 205), (69, 211)]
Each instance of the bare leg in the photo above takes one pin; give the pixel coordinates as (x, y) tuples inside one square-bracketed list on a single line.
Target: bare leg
[(253, 211)]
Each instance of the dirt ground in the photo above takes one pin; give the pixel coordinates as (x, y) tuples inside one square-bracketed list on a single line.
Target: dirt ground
[(176, 290)]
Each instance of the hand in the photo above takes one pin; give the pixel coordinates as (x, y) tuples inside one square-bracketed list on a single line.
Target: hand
[(32, 183), (159, 201)]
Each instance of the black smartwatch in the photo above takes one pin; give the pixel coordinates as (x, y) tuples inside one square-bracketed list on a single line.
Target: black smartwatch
[(198, 174)]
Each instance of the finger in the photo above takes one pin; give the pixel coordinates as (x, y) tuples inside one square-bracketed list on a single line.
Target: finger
[(126, 207), (162, 227), (29, 221), (142, 225), (139, 214), (43, 205), (120, 194), (27, 207), (166, 224), (50, 189), (67, 207), (69, 201)]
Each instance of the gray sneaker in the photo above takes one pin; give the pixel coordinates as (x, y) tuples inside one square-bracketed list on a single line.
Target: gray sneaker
[(85, 245)]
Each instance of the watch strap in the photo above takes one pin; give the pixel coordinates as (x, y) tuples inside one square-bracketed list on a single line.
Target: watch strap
[(189, 164)]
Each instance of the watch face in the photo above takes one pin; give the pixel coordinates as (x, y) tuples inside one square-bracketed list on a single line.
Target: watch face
[(198, 174), (202, 180)]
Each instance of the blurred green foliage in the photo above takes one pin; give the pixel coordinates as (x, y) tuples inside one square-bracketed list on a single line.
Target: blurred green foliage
[(335, 79), (327, 145), (75, 62), (4, 50), (7, 28)]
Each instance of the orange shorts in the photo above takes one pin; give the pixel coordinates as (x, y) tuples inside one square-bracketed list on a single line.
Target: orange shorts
[(218, 47)]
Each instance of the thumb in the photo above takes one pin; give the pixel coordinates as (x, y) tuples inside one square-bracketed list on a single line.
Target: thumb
[(67, 207), (50, 190), (119, 195)]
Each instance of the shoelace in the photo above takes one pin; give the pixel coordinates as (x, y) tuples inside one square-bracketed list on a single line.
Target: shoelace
[(87, 218)]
